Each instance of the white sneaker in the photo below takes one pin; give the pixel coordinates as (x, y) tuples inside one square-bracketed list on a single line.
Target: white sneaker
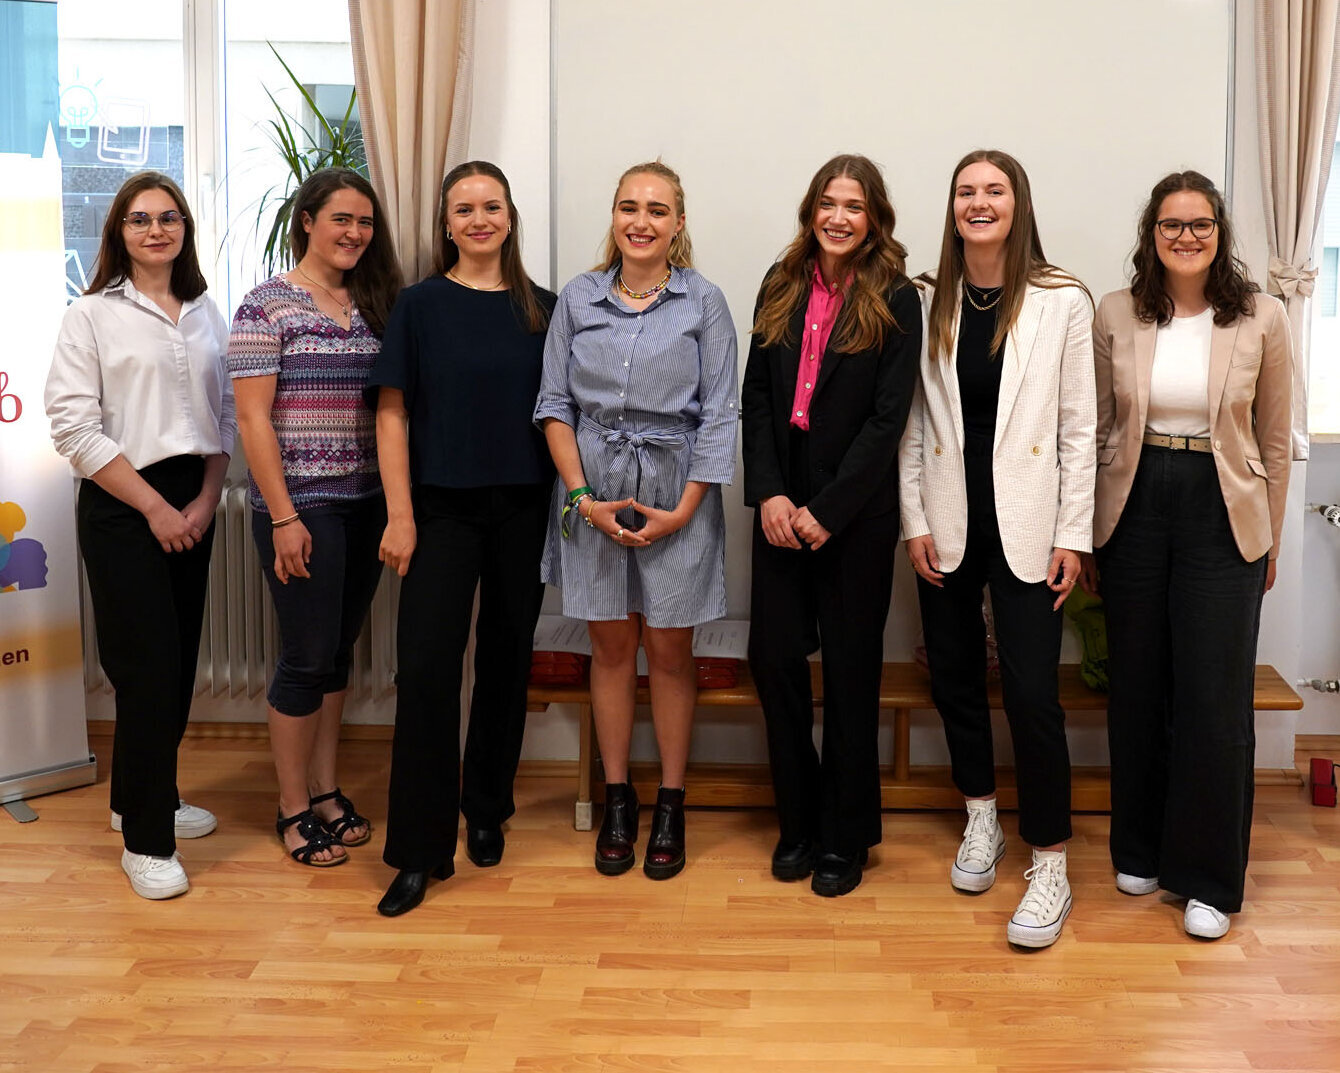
[(1204, 921), (983, 845), (1037, 922), (1129, 884), (155, 877), (189, 821)]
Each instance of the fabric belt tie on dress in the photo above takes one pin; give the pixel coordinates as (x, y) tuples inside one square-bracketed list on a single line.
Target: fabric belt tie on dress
[(633, 447), (1179, 443)]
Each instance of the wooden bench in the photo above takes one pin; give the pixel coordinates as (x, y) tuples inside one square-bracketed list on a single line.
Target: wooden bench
[(904, 687)]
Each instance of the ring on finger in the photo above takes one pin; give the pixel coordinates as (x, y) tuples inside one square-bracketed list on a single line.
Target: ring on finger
[(618, 535)]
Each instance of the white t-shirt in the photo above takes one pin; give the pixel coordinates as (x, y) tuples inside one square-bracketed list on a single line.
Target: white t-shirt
[(1179, 389)]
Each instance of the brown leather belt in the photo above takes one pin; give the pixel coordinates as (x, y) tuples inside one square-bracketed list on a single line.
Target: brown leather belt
[(1179, 443)]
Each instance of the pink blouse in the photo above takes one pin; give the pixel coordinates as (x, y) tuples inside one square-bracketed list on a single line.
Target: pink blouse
[(820, 315)]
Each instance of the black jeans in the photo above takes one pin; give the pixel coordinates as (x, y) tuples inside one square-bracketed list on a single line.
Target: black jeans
[(1028, 640), (491, 538), (837, 596), (320, 617), (1183, 610), (149, 605)]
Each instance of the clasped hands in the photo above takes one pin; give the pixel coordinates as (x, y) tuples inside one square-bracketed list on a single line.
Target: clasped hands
[(785, 525), (658, 523)]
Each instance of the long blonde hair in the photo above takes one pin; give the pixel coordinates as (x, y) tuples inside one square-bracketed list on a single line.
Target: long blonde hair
[(1025, 262), (680, 253)]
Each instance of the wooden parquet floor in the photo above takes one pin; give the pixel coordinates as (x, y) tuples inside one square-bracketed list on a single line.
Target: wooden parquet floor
[(540, 964)]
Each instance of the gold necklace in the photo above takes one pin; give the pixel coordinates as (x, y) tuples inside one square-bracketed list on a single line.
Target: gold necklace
[(637, 296), (344, 306), (968, 289), (491, 287)]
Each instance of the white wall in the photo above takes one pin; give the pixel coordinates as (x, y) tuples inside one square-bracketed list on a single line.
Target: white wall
[(1319, 609)]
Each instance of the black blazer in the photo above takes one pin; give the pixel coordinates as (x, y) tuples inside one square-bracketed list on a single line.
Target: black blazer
[(857, 415)]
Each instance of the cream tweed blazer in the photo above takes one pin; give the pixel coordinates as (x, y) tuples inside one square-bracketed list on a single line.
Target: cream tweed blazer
[(1043, 457)]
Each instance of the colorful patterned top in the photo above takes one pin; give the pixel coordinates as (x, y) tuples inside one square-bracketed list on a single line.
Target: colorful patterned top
[(327, 434)]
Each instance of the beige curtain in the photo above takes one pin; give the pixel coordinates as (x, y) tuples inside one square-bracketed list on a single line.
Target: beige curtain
[(1298, 98), (413, 68)]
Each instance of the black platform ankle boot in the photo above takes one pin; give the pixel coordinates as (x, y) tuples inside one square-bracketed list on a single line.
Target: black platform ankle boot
[(665, 847), (618, 830)]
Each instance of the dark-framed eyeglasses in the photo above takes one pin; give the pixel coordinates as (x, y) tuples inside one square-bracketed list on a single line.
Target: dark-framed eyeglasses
[(1172, 229), (140, 222)]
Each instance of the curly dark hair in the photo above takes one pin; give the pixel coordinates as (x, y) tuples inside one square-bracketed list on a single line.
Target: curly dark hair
[(1229, 287)]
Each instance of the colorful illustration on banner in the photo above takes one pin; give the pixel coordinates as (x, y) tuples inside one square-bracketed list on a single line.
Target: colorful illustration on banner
[(23, 562)]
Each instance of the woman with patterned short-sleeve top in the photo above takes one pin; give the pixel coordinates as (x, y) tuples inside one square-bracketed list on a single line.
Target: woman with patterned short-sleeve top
[(638, 403), (300, 351)]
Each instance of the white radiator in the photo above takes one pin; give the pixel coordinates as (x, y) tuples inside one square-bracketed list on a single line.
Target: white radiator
[(240, 638)]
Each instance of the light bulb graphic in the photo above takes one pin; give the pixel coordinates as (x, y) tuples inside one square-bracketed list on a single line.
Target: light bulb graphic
[(78, 106)]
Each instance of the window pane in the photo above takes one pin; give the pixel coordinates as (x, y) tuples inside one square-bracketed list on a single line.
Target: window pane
[(312, 37), (121, 110)]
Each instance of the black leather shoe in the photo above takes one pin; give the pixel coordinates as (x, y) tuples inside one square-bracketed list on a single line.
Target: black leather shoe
[(794, 860), (836, 874), (618, 830), (483, 845), (665, 846), (407, 889)]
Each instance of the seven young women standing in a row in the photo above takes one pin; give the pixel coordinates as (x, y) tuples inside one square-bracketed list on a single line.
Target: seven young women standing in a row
[(993, 486)]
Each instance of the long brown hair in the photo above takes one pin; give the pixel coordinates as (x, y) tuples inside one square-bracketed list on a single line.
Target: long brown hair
[(375, 280), (114, 263), (1229, 287), (446, 253), (876, 267), (1025, 263), (680, 253)]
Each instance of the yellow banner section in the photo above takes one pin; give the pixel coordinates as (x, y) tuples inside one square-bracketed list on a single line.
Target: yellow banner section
[(58, 649), (31, 224)]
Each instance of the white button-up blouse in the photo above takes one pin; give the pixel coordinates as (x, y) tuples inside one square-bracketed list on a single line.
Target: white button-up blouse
[(126, 380)]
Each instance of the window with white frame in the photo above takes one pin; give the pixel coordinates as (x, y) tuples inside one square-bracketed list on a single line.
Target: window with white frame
[(194, 89)]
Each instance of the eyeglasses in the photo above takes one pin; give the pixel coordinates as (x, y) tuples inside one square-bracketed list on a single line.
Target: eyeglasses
[(140, 222), (1172, 229)]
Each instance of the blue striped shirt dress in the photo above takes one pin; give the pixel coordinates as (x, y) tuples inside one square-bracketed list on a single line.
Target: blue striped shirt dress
[(654, 401)]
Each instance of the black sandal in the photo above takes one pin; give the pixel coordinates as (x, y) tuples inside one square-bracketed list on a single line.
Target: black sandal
[(346, 822), (317, 835)]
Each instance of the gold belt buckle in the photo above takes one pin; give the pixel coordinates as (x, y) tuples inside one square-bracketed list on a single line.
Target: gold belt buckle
[(1177, 443)]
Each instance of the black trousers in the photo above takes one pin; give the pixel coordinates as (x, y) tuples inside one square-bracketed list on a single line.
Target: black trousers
[(839, 597), (486, 537), (149, 605), (1028, 640), (1183, 611)]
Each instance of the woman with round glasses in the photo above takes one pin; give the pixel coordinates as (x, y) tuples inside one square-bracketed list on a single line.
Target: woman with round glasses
[(301, 347), (638, 404), (140, 403), (997, 490), (1194, 373)]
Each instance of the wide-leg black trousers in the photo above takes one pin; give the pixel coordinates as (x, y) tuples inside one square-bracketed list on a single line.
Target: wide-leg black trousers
[(490, 538), (837, 597), (1183, 612)]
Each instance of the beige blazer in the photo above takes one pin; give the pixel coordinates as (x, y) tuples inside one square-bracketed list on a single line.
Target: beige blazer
[(1251, 409), (1043, 455)]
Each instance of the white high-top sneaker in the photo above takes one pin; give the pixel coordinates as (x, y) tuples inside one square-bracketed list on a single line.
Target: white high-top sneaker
[(1037, 922), (983, 844)]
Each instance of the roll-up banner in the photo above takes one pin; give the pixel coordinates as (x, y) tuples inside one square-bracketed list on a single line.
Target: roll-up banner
[(43, 727)]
